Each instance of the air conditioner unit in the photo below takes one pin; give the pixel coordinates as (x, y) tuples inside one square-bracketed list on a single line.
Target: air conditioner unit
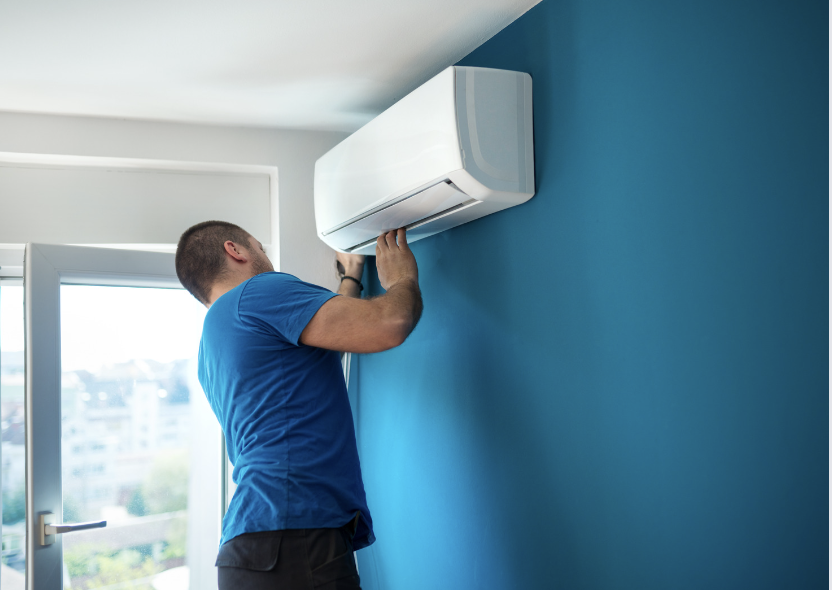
[(457, 148)]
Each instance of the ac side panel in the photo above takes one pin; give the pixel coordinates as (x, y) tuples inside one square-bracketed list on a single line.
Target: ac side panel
[(494, 111), (528, 125), (413, 143)]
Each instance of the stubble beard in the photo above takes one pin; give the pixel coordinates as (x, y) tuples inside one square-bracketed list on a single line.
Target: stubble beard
[(261, 264)]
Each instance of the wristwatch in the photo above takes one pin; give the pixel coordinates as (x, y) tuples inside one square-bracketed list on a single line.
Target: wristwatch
[(360, 286)]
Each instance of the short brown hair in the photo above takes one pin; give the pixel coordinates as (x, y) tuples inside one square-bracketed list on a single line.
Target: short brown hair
[(200, 255)]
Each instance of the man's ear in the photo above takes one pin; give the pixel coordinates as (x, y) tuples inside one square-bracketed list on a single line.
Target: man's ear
[(236, 251)]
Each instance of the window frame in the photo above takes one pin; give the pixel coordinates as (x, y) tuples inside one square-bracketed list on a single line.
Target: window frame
[(46, 268)]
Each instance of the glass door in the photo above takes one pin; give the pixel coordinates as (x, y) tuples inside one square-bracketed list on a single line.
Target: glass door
[(123, 451)]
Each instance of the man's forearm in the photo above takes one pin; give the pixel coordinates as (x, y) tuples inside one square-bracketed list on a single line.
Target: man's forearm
[(350, 287), (402, 306), (366, 325), (370, 325)]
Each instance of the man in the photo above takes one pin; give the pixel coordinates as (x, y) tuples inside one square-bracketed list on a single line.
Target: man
[(268, 365)]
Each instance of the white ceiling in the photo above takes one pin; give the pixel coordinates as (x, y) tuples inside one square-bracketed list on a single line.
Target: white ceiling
[(317, 64)]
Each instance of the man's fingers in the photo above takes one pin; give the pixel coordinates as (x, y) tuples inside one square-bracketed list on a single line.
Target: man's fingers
[(387, 240), (401, 233)]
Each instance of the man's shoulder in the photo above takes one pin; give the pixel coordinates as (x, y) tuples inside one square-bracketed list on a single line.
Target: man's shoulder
[(268, 280), (264, 282), (268, 284)]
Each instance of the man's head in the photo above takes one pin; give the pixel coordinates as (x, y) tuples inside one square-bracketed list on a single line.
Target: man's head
[(214, 252)]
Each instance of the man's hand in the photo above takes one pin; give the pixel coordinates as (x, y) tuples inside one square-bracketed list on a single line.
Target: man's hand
[(350, 324), (394, 260), (350, 265)]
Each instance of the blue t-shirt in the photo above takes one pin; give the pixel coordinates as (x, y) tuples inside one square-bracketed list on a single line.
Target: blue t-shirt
[(284, 409)]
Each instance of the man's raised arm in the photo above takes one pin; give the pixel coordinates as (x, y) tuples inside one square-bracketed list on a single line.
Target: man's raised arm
[(348, 324)]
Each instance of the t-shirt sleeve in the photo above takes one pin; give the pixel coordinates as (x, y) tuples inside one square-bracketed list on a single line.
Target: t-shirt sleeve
[(281, 303)]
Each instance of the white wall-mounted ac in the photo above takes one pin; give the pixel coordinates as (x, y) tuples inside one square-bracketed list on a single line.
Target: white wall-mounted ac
[(457, 148)]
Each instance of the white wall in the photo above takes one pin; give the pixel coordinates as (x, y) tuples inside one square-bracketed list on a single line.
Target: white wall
[(293, 152)]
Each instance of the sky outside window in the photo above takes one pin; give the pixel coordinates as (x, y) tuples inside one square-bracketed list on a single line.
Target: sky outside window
[(90, 338)]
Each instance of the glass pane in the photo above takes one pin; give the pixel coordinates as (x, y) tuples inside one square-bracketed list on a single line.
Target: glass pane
[(137, 439), (13, 437)]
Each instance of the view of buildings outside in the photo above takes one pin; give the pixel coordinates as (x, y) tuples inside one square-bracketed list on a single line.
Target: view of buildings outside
[(127, 422), (12, 436)]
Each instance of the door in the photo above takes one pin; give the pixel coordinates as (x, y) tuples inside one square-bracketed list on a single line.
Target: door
[(123, 454)]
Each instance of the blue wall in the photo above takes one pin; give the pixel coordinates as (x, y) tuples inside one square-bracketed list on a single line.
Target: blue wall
[(623, 382)]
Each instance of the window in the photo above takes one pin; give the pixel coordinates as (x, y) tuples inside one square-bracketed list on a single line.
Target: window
[(12, 424), (145, 463)]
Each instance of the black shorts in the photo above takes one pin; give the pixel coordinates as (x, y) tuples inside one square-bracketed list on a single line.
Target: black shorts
[(292, 559)]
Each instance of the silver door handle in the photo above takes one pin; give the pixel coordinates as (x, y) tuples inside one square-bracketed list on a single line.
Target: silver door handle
[(48, 530)]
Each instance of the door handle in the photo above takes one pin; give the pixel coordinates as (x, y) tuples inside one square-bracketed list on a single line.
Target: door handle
[(47, 530)]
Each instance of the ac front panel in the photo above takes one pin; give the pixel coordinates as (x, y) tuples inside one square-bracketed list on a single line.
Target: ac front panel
[(424, 228), (436, 199), (463, 213), (410, 144)]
